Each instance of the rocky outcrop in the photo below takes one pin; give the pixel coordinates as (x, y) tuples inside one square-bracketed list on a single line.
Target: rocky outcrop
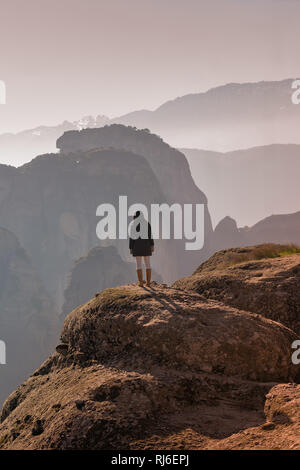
[(262, 279), (50, 203), (103, 267), (28, 319), (169, 165), (226, 234), (171, 170), (180, 330), (142, 365)]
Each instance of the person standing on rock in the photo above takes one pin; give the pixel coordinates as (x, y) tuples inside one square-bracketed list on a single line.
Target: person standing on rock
[(141, 245)]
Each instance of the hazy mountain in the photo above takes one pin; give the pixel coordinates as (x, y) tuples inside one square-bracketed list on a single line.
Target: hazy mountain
[(275, 229), (282, 228), (248, 185), (16, 149), (28, 319), (226, 118)]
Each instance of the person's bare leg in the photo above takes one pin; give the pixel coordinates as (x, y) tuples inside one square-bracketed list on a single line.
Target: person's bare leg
[(139, 271), (148, 270)]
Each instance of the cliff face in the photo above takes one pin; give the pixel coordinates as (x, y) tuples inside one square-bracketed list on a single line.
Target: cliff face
[(264, 279), (28, 319), (150, 368), (50, 203), (169, 166)]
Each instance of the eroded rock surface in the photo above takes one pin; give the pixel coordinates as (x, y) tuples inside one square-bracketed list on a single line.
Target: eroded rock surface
[(150, 368), (242, 278)]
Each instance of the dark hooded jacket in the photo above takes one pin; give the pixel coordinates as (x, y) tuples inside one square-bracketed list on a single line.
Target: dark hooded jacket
[(142, 246)]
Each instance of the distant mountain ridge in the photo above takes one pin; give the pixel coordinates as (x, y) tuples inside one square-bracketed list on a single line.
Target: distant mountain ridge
[(226, 117), (280, 228), (223, 118), (20, 148), (249, 184)]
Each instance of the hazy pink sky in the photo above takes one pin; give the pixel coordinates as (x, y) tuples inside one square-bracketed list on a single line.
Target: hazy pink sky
[(63, 59)]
